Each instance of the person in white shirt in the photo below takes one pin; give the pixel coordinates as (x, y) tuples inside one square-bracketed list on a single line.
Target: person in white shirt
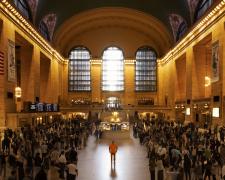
[(161, 151), (54, 156), (72, 171), (44, 149), (62, 158)]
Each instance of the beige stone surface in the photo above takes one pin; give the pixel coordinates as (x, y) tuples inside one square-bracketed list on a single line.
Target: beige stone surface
[(131, 161)]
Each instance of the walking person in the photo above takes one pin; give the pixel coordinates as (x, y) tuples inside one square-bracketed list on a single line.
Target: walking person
[(160, 168), (72, 171), (41, 175), (152, 163), (2, 164), (207, 172), (62, 164), (187, 167)]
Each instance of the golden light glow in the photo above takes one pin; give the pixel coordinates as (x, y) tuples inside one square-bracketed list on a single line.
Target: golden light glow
[(115, 114), (206, 106), (207, 81), (130, 61), (195, 106), (24, 25), (18, 92), (96, 61), (115, 119), (199, 29)]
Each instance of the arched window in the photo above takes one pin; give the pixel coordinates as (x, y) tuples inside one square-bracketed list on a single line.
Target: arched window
[(181, 30), (79, 70), (202, 7), (43, 29), (113, 70), (146, 70), (22, 5)]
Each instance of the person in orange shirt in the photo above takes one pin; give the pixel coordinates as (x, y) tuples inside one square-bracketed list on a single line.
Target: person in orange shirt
[(113, 149)]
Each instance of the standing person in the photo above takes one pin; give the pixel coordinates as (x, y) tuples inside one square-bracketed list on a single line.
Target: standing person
[(20, 169), (27, 176), (73, 155), (113, 150), (54, 156), (2, 164), (44, 149), (29, 160), (62, 164), (187, 167), (208, 168), (152, 163), (159, 165), (6, 144), (41, 175), (72, 171), (198, 171), (37, 163)]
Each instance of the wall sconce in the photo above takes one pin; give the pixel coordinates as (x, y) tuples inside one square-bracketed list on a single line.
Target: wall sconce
[(207, 81), (18, 92)]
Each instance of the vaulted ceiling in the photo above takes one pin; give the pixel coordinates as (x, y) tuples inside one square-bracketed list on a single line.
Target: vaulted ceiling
[(68, 8), (147, 22)]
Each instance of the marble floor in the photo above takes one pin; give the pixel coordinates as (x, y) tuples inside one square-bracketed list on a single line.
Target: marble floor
[(131, 163)]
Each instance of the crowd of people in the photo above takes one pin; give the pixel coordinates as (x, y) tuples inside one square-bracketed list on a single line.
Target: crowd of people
[(30, 152), (182, 152), (175, 150)]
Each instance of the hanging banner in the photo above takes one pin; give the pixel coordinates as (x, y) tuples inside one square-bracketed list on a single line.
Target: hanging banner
[(11, 62), (215, 62)]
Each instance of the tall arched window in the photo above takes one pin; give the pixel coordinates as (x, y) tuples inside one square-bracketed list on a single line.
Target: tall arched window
[(202, 7), (146, 70), (113, 70), (22, 5), (79, 70), (43, 29)]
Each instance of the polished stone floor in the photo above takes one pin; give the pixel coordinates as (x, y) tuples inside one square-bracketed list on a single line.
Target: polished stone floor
[(131, 163)]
